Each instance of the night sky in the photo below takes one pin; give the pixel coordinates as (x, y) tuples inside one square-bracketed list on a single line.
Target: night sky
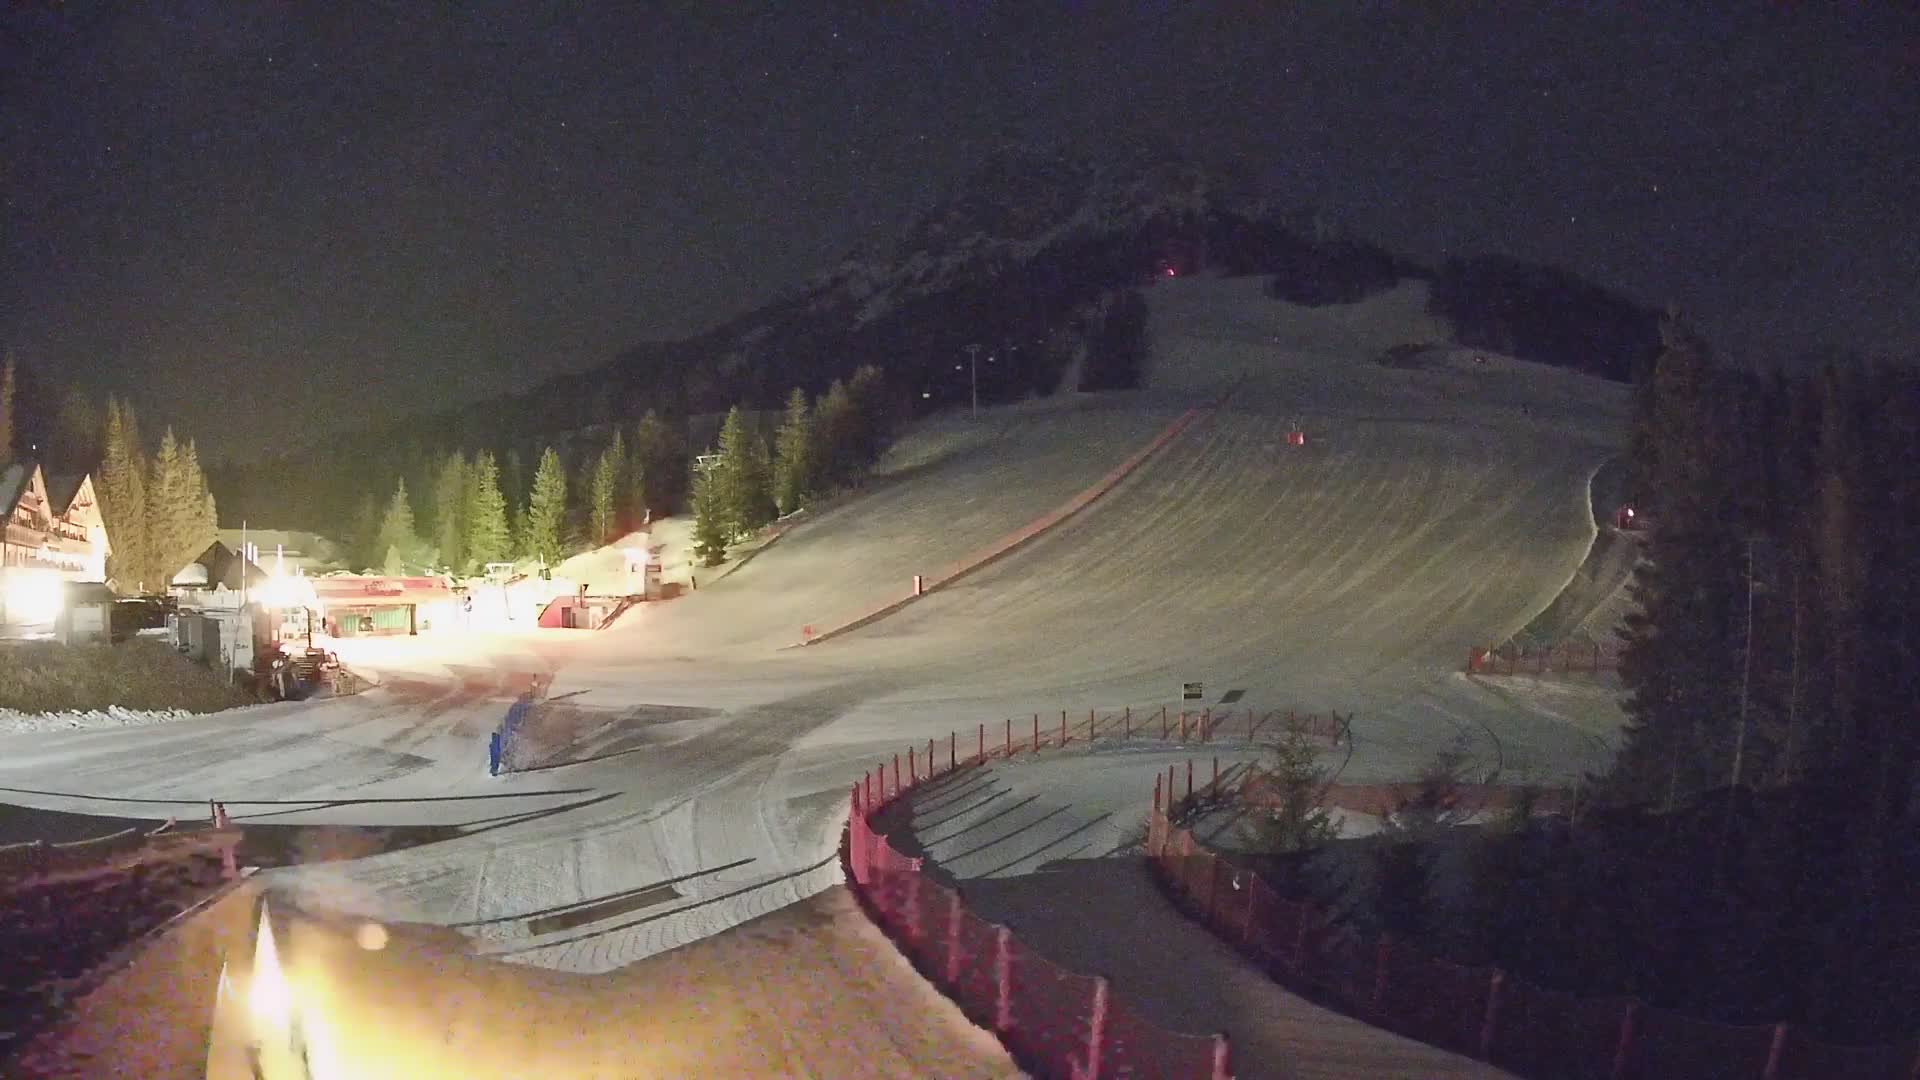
[(328, 213)]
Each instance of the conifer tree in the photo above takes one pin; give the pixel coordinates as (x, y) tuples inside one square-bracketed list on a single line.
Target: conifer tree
[(122, 493), (487, 539), (170, 511), (872, 415), (710, 526), (202, 514), (795, 455), (6, 412), (546, 510), (1681, 645), (75, 438), (657, 477), (603, 493), (397, 541), (835, 434), (366, 532), (449, 511), (743, 485), (513, 488)]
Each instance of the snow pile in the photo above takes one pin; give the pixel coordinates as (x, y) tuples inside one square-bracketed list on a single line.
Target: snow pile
[(111, 717), (605, 570)]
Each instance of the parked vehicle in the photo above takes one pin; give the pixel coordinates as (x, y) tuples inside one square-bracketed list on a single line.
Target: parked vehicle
[(286, 671), (135, 613)]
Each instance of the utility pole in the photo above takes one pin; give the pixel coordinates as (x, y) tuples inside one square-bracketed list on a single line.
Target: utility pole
[(973, 364), (1788, 770), (1746, 673)]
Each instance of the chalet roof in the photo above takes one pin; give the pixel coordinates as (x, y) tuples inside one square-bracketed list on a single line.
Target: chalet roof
[(13, 482), (223, 567), (61, 488), (309, 551)]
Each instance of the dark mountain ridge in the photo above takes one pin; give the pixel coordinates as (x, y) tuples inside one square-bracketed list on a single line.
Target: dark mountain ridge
[(1030, 258)]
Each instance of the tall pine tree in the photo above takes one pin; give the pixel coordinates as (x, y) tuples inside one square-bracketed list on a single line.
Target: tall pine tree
[(449, 512), (487, 538), (122, 490), (794, 455), (513, 488), (169, 511), (603, 501), (75, 438), (710, 526), (1683, 646), (546, 510), (203, 514), (397, 541), (366, 532), (836, 436), (743, 484), (872, 415), (7, 375), (657, 477)]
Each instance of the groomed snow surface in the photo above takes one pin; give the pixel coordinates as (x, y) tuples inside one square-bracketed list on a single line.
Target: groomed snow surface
[(1030, 844), (111, 717), (1430, 510)]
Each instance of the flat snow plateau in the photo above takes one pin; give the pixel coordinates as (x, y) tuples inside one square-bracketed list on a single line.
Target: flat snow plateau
[(1431, 509)]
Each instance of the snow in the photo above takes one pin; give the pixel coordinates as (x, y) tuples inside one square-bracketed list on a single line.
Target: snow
[(1429, 511), (13, 722), (1032, 844), (113, 716), (603, 570), (745, 1004)]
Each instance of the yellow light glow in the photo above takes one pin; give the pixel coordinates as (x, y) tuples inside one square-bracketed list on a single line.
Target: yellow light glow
[(268, 994), (282, 591), (371, 936), (32, 596)]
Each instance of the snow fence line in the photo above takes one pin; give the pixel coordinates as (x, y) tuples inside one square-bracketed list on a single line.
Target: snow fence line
[(1567, 659), (12, 720), (924, 584), (1031, 734), (1055, 1022), (1481, 1012)]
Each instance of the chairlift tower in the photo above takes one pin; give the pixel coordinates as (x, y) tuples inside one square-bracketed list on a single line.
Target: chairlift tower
[(973, 366)]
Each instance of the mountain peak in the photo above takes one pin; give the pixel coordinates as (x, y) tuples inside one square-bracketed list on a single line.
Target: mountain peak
[(1020, 202)]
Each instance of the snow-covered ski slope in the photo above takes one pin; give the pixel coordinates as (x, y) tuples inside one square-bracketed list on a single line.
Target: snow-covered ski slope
[(1430, 510)]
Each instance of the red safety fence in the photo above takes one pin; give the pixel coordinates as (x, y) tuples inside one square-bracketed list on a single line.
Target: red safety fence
[(1481, 1011), (1055, 1021), (39, 861), (1254, 786), (1039, 731), (1566, 659)]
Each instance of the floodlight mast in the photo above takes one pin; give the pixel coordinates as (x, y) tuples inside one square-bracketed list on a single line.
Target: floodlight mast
[(973, 365)]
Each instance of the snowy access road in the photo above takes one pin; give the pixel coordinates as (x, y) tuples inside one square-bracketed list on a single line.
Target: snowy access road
[(1031, 845), (704, 776)]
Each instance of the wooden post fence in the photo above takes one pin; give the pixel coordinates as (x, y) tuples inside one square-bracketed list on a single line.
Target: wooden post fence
[(1097, 1028), (1003, 977), (954, 922), (1490, 1023)]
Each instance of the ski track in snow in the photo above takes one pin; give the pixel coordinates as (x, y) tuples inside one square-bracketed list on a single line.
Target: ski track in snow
[(1425, 514)]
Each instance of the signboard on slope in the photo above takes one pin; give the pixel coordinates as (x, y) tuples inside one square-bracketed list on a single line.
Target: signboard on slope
[(1191, 692)]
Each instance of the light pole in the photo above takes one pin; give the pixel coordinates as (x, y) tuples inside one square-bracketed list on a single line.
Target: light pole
[(973, 365)]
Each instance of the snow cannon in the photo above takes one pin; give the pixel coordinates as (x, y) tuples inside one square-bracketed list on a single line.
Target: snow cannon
[(1296, 433)]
